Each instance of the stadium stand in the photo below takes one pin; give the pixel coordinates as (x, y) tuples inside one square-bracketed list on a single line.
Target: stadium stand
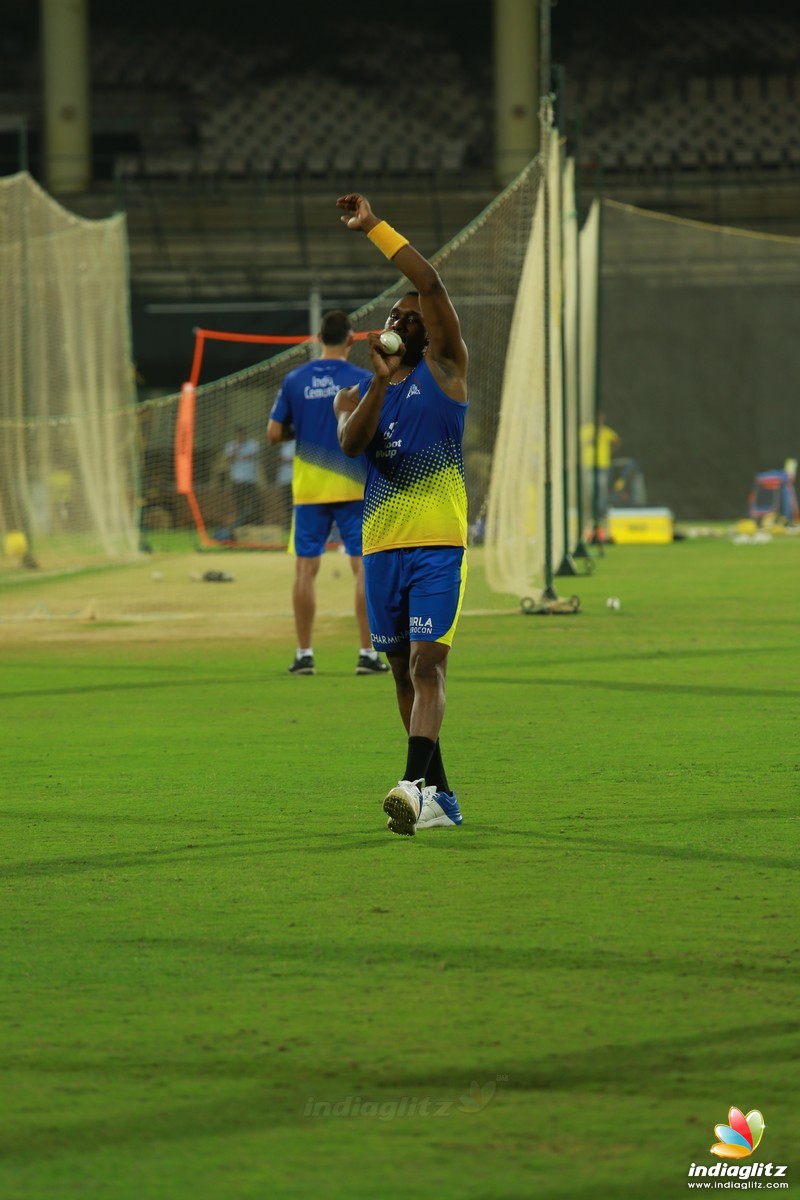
[(692, 93), (208, 132), (663, 93), (208, 108)]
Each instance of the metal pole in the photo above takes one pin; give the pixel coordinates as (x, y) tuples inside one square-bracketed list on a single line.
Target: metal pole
[(119, 188), (566, 566), (545, 65), (581, 549), (546, 121), (597, 535), (549, 593), (22, 134), (26, 307), (314, 319)]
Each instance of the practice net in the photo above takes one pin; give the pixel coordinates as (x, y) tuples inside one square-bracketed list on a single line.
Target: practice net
[(700, 355), (534, 510), (68, 452)]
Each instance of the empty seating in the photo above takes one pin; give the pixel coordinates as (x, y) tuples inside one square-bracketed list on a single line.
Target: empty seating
[(655, 93)]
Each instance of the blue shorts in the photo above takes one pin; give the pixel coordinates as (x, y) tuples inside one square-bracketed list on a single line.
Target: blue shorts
[(414, 595), (312, 524)]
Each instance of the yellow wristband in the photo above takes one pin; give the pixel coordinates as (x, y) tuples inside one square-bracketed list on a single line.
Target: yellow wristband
[(388, 240)]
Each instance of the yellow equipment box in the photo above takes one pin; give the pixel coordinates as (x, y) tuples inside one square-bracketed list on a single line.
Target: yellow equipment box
[(640, 526)]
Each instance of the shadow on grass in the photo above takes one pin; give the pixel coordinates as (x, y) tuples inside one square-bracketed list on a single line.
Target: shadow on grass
[(481, 956), (180, 681), (620, 846), (258, 1098), (479, 840), (158, 856)]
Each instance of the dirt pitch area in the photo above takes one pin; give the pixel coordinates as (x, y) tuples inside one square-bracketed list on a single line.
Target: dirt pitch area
[(165, 597)]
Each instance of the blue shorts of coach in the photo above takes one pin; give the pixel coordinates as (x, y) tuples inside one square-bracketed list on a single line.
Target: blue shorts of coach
[(312, 524), (414, 595)]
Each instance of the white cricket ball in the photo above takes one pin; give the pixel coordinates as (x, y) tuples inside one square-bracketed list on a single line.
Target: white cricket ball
[(613, 602), (391, 341)]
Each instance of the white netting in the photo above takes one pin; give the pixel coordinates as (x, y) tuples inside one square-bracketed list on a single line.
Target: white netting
[(526, 529), (701, 358), (67, 450)]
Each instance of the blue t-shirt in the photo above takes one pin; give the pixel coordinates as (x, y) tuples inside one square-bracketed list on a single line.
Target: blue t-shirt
[(322, 473), (415, 493)]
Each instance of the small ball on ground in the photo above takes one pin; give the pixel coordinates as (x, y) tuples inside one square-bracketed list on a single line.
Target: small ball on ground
[(15, 544)]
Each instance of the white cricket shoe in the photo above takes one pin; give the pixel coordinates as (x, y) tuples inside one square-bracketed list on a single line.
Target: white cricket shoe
[(425, 792), (438, 808), (402, 806)]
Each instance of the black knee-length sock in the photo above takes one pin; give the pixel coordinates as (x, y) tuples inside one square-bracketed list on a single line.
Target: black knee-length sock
[(420, 750), (436, 774)]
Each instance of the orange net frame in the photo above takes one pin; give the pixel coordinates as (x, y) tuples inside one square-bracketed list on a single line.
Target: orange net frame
[(258, 518)]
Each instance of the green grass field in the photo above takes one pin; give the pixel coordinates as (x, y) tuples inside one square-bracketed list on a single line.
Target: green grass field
[(224, 978)]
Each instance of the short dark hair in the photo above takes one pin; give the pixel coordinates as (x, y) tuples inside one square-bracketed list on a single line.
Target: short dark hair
[(335, 328)]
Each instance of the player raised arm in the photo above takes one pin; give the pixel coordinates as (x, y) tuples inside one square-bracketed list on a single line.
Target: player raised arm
[(446, 353)]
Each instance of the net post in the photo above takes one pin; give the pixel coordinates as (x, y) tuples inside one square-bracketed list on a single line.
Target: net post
[(26, 307), (546, 122), (549, 594), (184, 456), (546, 131), (598, 534), (199, 344), (566, 566), (314, 318), (581, 550), (22, 143)]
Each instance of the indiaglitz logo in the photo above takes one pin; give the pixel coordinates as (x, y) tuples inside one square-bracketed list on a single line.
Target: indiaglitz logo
[(741, 1136), (737, 1140)]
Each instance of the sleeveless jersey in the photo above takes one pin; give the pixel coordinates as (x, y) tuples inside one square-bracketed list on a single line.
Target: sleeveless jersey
[(415, 494), (322, 473)]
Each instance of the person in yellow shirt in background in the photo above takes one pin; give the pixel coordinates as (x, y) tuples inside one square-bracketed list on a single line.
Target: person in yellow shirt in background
[(603, 442)]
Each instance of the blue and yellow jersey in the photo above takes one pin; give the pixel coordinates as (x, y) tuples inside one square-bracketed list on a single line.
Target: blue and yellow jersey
[(322, 473), (415, 494), (604, 440)]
